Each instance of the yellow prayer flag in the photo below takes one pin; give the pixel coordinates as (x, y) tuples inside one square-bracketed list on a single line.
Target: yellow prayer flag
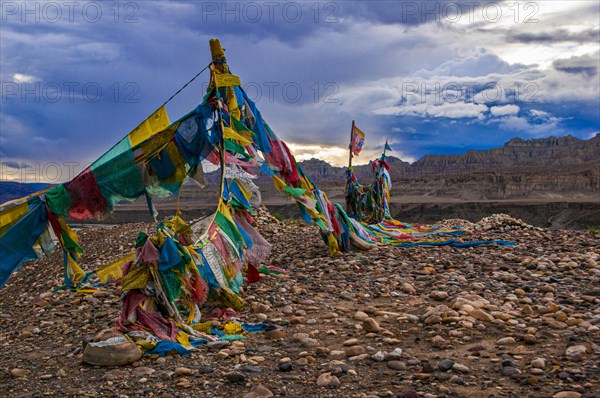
[(224, 210), (10, 216), (332, 243), (246, 194), (229, 133), (113, 271), (227, 80), (155, 123), (74, 271), (279, 183)]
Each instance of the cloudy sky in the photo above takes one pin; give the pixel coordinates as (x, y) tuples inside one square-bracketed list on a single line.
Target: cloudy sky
[(433, 76)]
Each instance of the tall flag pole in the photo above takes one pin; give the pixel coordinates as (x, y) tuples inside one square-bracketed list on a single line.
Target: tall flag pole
[(350, 148)]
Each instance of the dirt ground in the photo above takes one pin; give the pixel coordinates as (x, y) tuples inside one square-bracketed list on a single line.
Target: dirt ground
[(489, 321)]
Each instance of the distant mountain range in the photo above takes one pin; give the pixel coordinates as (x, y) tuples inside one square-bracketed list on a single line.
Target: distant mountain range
[(10, 190), (550, 154), (562, 168)]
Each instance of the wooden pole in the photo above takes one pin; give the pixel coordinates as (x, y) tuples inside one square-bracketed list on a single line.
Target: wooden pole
[(220, 67), (218, 56), (350, 146), (348, 182)]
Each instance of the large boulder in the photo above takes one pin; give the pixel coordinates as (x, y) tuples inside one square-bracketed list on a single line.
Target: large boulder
[(111, 348)]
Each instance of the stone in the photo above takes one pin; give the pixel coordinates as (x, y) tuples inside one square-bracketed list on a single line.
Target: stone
[(250, 369), (236, 378), (327, 380), (408, 288), (286, 367), (361, 357), (481, 315), (438, 295), (17, 373), (217, 345), (350, 342), (296, 320), (322, 351), (259, 391), (394, 355), (506, 341), (260, 308), (408, 394), (576, 350), (509, 371), (355, 350), (460, 368), (337, 354), (183, 371), (142, 371), (433, 320), (426, 367), (359, 315), (439, 342), (184, 383), (538, 363), (115, 374), (301, 362), (445, 365), (530, 339), (308, 342), (396, 365), (370, 325), (276, 334), (567, 394), (116, 350), (379, 356)]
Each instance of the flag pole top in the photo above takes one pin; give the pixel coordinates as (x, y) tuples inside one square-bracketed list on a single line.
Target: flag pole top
[(218, 56), (216, 50)]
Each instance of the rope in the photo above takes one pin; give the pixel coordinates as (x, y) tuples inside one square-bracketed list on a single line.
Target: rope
[(184, 86)]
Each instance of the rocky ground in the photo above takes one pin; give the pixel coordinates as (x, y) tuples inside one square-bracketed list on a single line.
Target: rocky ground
[(489, 321)]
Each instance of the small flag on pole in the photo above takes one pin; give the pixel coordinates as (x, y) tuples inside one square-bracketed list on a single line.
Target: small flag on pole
[(358, 139), (387, 146)]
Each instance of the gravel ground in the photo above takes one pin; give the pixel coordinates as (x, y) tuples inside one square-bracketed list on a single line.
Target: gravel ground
[(488, 321)]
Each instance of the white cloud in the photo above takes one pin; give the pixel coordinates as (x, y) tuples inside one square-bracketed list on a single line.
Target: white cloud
[(449, 110), (592, 135), (532, 127), (504, 110), (23, 78)]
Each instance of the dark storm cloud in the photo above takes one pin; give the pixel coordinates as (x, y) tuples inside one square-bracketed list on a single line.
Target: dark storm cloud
[(585, 64), (555, 36), (348, 58)]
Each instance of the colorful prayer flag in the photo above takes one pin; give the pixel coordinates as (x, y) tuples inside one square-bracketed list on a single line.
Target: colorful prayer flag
[(387, 146), (152, 125), (358, 139)]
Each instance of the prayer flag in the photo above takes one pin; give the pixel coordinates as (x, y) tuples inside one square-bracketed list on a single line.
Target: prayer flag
[(155, 123), (387, 146), (358, 139)]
